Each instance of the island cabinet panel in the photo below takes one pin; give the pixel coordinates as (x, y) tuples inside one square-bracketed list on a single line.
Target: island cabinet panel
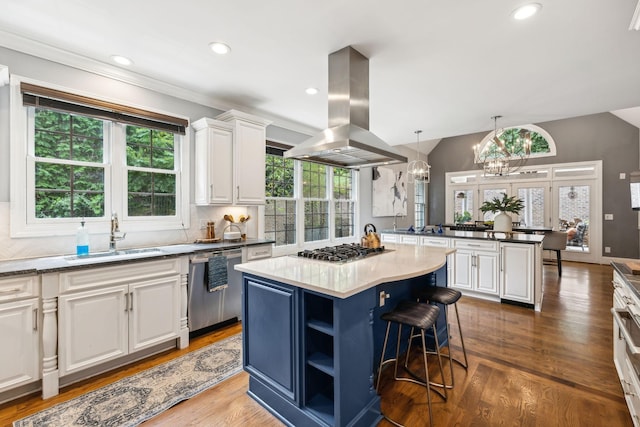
[(309, 355), (271, 339)]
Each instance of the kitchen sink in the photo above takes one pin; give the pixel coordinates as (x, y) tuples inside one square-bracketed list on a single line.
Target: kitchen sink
[(122, 254)]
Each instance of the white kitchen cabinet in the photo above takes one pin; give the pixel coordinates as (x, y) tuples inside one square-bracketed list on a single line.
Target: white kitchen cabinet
[(517, 272), (19, 323), (213, 162), (475, 267), (106, 313), (249, 145)]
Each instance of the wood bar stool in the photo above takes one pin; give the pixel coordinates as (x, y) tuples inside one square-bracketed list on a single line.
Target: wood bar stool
[(418, 316), (446, 297)]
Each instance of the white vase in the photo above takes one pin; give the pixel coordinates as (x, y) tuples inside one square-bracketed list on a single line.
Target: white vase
[(502, 223)]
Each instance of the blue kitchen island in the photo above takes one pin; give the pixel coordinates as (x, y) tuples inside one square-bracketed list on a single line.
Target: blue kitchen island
[(312, 335)]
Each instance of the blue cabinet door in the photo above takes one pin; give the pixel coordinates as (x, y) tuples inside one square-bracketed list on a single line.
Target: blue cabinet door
[(270, 342)]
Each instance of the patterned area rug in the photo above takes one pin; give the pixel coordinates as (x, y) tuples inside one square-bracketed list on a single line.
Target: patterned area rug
[(134, 399)]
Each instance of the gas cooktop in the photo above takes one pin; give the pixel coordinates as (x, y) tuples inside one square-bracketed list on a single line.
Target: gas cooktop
[(341, 253)]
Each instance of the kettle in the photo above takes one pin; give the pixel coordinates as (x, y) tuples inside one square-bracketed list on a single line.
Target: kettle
[(370, 239)]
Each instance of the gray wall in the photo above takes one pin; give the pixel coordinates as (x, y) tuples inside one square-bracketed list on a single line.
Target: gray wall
[(595, 137)]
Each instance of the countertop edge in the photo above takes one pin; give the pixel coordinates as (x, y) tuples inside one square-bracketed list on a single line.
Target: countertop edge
[(54, 264), (254, 269)]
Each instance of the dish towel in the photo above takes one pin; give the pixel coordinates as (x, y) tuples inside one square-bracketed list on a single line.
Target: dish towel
[(217, 273)]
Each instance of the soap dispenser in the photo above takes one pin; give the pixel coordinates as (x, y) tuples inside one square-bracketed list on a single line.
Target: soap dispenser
[(82, 240)]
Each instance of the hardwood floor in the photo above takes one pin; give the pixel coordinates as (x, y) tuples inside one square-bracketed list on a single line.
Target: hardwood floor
[(552, 368)]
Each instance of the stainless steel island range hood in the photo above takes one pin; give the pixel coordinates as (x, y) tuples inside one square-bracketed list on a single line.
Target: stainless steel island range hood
[(347, 142)]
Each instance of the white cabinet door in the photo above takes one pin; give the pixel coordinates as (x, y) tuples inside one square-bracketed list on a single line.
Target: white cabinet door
[(93, 327), (486, 274), (19, 354), (154, 310), (250, 140), (249, 145), (463, 269), (476, 266), (213, 162), (517, 273)]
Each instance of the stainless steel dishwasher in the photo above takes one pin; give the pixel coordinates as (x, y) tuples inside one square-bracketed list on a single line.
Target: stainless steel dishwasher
[(224, 302)]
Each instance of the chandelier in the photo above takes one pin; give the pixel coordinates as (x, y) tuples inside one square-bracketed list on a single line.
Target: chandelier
[(500, 156), (418, 170)]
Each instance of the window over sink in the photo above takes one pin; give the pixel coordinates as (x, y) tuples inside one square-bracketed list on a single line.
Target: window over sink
[(87, 157)]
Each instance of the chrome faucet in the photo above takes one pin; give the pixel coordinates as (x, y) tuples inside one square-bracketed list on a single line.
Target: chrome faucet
[(115, 232), (395, 221)]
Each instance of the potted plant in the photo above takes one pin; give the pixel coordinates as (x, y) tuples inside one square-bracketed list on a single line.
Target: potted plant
[(502, 221)]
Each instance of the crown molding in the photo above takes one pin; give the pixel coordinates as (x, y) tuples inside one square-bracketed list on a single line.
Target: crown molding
[(70, 59)]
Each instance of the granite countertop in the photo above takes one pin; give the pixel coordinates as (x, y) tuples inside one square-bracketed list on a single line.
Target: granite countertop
[(343, 280), (70, 262), (480, 235), (632, 279)]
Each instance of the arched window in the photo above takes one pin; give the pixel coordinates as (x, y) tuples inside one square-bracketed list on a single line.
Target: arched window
[(542, 144)]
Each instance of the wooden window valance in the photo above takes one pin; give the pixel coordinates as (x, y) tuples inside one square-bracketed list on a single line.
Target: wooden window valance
[(43, 97)]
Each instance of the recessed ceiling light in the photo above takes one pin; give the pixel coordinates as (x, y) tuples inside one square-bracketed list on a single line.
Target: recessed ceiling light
[(122, 60), (526, 11), (311, 91), (220, 48)]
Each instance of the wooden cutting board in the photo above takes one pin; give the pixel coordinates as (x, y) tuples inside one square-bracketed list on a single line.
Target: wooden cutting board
[(634, 266)]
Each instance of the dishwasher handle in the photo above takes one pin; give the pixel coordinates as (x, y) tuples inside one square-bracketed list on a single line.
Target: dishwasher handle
[(204, 256)]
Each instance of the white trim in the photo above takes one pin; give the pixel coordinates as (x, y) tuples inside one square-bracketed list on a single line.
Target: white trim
[(4, 75)]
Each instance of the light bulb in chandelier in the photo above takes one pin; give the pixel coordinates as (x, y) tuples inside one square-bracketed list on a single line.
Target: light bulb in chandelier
[(418, 170)]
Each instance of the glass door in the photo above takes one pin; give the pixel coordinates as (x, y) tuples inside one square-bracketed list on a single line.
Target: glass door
[(574, 210), (464, 205), (488, 192), (536, 204)]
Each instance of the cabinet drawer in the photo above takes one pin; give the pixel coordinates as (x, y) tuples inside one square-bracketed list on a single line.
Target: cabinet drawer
[(18, 287), (409, 240), (482, 245), (120, 274), (258, 252), (434, 241), (389, 238)]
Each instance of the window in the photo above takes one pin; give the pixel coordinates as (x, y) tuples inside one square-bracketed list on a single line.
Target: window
[(280, 205), (344, 202), (151, 175), (86, 158), (542, 144), (316, 204), (419, 203), (307, 202), (69, 165)]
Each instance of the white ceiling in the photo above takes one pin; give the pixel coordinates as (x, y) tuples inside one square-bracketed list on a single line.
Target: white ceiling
[(444, 67)]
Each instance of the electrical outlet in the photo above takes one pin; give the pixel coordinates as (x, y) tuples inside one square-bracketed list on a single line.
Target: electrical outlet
[(383, 296), (623, 175), (607, 249), (203, 224), (608, 217)]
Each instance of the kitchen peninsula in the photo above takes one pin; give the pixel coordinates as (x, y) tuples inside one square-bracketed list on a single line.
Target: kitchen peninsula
[(494, 266), (312, 334)]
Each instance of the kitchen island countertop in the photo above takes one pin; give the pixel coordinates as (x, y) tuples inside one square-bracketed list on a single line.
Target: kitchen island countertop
[(343, 280)]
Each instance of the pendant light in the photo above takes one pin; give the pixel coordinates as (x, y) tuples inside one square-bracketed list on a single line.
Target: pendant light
[(496, 159), (418, 170)]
